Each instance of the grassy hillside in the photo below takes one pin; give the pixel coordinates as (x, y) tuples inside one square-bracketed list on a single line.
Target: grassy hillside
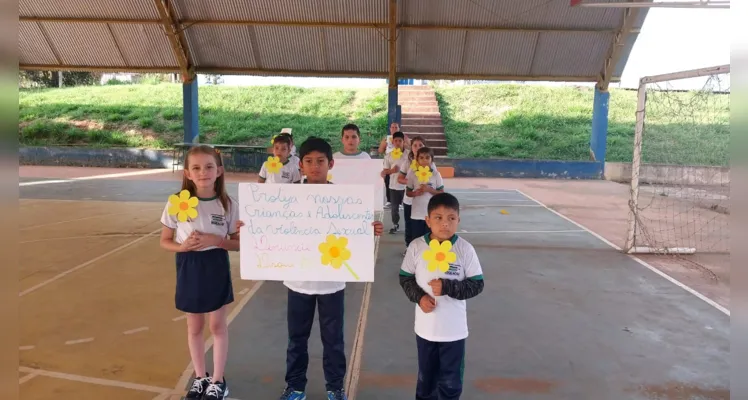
[(555, 123), (484, 121), (151, 115)]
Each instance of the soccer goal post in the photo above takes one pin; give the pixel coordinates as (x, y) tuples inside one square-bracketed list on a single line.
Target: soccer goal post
[(680, 184)]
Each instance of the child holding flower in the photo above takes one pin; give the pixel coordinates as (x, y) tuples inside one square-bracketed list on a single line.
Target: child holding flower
[(394, 162), (423, 183), (439, 273), (280, 168)]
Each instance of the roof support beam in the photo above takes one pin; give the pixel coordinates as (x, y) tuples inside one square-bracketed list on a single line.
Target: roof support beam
[(392, 44), (616, 49), (279, 72), (190, 22), (176, 39)]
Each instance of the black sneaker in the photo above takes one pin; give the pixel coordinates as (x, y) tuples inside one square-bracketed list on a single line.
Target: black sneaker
[(336, 395), (394, 229), (216, 391), (198, 387)]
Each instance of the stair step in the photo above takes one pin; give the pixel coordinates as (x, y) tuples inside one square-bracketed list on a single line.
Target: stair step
[(409, 104), (414, 88), (422, 128), (439, 151), (416, 95), (421, 109)]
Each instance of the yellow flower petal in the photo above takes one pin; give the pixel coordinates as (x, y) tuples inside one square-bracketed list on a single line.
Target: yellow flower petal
[(342, 242), (326, 258), (324, 247), (451, 257), (182, 216), (336, 263), (443, 266), (345, 254), (192, 213), (192, 202), (428, 255), (174, 200), (173, 209), (184, 195), (445, 246), (434, 245), (431, 266)]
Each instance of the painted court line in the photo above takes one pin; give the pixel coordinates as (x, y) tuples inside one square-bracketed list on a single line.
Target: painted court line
[(187, 374), (67, 221), (27, 378), (95, 381), (638, 260), (243, 291), (179, 318), (498, 205), (79, 341), (136, 330), (85, 237), (85, 264), (86, 178), (543, 232), (24, 348)]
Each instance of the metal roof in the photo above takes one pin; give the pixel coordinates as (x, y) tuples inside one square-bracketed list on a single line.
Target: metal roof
[(434, 39)]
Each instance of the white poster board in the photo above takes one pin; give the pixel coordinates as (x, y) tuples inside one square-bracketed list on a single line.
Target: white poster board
[(307, 232), (360, 172)]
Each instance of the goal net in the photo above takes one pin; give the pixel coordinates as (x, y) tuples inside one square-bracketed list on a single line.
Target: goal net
[(680, 181)]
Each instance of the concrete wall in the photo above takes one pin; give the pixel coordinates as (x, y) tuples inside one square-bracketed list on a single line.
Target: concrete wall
[(92, 157), (545, 169), (669, 174)]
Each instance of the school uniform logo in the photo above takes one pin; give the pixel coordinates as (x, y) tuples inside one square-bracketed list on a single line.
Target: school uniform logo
[(217, 219), (286, 175), (454, 270)]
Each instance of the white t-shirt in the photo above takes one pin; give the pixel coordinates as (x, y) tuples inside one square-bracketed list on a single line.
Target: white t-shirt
[(409, 200), (420, 203), (314, 287), (448, 321), (360, 155), (402, 163), (289, 173), (390, 146), (210, 219)]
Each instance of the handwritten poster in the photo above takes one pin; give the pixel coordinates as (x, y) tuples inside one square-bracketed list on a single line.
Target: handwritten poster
[(361, 172), (307, 232)]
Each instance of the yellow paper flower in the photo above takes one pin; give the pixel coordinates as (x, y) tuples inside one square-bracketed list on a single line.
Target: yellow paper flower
[(439, 255), (273, 139), (414, 165), (183, 206), (335, 253), (423, 174), (329, 177), (397, 153), (273, 165)]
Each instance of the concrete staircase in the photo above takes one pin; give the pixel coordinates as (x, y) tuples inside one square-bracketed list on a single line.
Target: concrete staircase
[(421, 117)]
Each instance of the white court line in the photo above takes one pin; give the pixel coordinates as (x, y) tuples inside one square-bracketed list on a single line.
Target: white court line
[(24, 348), (84, 237), (95, 381), (79, 341), (27, 378), (501, 191), (182, 383), (638, 260), (179, 318), (66, 221), (86, 178), (243, 291), (517, 200), (543, 232), (85, 264), (136, 330), (498, 205)]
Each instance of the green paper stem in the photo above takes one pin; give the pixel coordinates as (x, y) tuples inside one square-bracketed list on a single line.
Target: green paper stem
[(351, 270)]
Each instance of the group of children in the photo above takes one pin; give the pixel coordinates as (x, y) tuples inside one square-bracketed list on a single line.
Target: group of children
[(438, 284)]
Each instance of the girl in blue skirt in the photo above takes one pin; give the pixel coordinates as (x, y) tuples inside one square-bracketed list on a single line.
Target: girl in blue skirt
[(199, 225)]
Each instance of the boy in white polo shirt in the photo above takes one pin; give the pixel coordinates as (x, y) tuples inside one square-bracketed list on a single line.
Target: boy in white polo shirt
[(422, 190), (440, 271), (350, 137), (286, 171)]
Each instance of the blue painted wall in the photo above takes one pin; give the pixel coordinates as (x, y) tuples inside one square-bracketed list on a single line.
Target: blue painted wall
[(190, 112), (546, 169), (599, 137)]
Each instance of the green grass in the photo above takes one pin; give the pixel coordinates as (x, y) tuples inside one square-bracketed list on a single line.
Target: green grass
[(481, 121), (151, 115), (555, 123)]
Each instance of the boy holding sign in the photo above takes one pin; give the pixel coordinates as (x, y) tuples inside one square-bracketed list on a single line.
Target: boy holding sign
[(304, 296)]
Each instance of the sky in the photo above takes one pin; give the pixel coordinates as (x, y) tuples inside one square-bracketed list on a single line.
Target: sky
[(671, 40)]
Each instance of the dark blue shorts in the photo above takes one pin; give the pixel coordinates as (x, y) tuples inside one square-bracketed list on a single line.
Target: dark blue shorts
[(203, 281)]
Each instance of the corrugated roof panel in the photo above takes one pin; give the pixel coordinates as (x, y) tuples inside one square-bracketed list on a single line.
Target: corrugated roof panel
[(83, 44), (290, 48), (33, 48), (222, 45), (430, 51), (551, 14), (144, 45), (141, 9), (350, 11), (499, 53), (571, 54), (360, 50)]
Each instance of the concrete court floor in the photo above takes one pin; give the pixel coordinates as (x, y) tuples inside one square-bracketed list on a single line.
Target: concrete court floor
[(570, 317)]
